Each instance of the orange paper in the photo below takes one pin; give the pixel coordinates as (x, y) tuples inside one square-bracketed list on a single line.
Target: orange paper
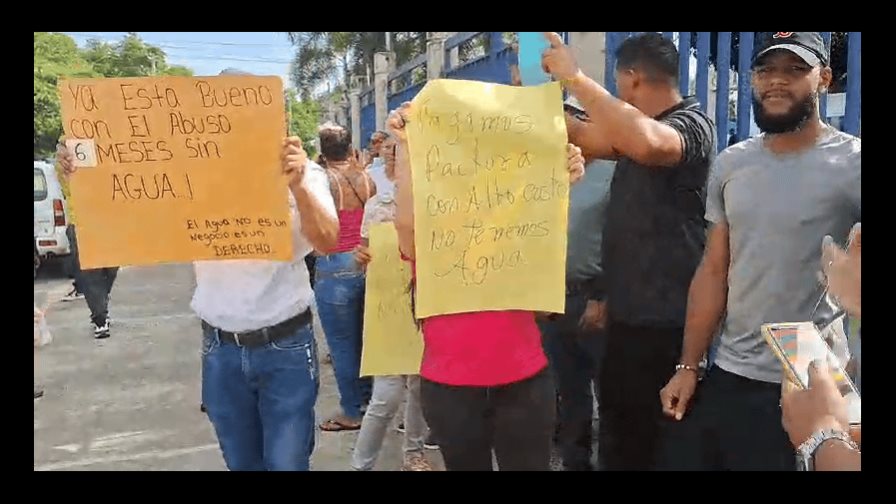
[(185, 169)]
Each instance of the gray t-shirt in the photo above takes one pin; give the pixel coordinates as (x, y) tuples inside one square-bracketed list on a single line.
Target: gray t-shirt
[(778, 209), (587, 212)]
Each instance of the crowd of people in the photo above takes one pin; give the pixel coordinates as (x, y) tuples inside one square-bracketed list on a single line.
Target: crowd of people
[(673, 251)]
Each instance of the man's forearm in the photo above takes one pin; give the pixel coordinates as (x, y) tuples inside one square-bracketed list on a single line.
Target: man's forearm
[(404, 202), (599, 103), (318, 225), (614, 116), (706, 304)]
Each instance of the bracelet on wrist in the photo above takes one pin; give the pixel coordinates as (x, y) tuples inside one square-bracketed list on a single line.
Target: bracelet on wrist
[(572, 80), (688, 367)]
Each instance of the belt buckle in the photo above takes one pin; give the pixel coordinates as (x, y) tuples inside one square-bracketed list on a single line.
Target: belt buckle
[(236, 339)]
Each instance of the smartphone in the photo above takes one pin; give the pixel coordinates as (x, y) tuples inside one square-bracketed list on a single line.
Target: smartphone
[(797, 345), (532, 46)]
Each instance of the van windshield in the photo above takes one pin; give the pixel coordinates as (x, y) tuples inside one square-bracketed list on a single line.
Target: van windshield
[(40, 185)]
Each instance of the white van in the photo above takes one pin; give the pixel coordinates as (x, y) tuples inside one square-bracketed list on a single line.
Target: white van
[(50, 217)]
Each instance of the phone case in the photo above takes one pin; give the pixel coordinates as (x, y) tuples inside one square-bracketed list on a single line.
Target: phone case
[(797, 345)]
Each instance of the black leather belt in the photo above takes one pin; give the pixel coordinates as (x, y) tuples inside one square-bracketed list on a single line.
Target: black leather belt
[(261, 337)]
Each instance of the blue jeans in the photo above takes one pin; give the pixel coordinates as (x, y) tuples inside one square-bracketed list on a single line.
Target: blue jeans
[(261, 400), (339, 289)]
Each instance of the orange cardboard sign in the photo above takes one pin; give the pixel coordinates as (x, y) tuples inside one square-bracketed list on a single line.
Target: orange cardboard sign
[(176, 169)]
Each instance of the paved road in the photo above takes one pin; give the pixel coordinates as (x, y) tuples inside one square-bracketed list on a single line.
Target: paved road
[(131, 402)]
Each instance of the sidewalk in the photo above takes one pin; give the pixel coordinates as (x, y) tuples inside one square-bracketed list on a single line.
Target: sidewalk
[(131, 402)]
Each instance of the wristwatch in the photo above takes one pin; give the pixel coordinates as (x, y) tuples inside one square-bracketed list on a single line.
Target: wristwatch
[(806, 451)]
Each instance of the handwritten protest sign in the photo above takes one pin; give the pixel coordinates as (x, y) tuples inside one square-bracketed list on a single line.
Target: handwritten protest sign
[(491, 192), (177, 169), (392, 343)]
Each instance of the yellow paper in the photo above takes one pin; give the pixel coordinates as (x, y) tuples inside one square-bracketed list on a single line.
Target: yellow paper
[(185, 169), (392, 343), (491, 193)]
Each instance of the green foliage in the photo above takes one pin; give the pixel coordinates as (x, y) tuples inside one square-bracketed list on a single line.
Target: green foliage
[(303, 120), (57, 56), (324, 56)]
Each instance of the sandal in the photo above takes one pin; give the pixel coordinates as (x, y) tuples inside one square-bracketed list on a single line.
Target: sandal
[(335, 425)]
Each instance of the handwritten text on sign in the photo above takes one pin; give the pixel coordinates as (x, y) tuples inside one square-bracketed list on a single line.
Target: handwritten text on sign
[(177, 169), (491, 192), (392, 343)]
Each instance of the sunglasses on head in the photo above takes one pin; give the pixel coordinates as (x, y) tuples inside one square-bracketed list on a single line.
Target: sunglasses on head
[(578, 114)]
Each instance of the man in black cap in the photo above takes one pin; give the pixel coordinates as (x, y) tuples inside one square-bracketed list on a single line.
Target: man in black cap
[(770, 200)]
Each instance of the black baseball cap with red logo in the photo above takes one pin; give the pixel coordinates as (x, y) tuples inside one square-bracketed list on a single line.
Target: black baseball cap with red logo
[(809, 46)]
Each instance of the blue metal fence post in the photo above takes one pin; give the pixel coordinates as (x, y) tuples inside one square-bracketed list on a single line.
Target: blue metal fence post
[(684, 62), (744, 90), (853, 120), (823, 99), (703, 69), (723, 66), (495, 43), (610, 61)]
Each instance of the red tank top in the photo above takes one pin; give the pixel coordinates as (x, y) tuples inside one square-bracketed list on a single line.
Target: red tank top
[(349, 229), (349, 220)]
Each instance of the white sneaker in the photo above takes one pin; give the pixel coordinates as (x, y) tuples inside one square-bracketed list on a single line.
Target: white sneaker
[(74, 295), (101, 332)]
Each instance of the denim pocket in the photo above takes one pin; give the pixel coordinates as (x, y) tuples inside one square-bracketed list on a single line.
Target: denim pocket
[(300, 345), (289, 344), (209, 343), (298, 340)]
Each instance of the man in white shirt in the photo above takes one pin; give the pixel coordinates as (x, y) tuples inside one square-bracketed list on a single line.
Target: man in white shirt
[(377, 167), (259, 359)]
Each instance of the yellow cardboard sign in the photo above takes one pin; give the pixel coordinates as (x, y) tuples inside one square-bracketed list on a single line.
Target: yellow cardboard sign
[(392, 343), (176, 169), (491, 193)]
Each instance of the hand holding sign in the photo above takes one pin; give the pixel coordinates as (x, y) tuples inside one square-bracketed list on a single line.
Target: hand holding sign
[(575, 163), (397, 121), (293, 159), (65, 157)]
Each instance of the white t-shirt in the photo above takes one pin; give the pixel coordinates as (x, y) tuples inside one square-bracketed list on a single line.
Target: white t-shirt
[(377, 171), (249, 294)]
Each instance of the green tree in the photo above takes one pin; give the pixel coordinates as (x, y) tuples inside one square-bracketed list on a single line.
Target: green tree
[(56, 56), (303, 120), (325, 56), (131, 57)]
